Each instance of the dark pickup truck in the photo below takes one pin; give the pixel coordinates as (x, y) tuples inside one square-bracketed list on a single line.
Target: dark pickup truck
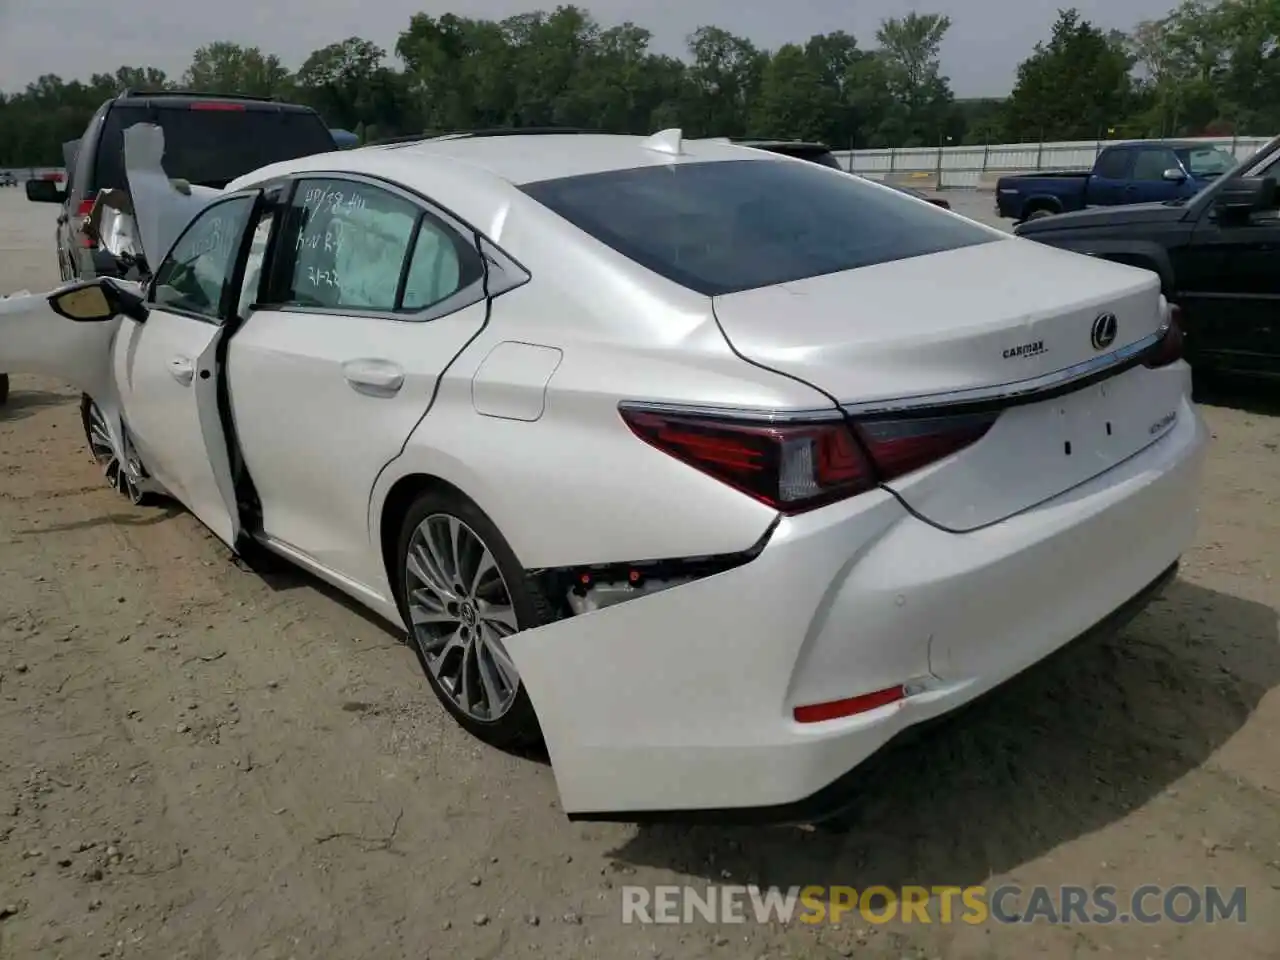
[(1217, 254), (1140, 172)]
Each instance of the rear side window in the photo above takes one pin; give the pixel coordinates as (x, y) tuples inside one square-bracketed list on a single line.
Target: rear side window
[(355, 246), (1113, 164), (211, 147), (726, 226)]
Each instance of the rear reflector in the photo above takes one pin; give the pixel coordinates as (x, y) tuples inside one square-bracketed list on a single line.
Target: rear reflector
[(1169, 349), (795, 467), (214, 105), (835, 709)]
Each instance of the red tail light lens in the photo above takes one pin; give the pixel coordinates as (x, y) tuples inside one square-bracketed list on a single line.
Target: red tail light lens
[(794, 467), (85, 208), (900, 446), (1169, 349), (791, 467), (215, 105)]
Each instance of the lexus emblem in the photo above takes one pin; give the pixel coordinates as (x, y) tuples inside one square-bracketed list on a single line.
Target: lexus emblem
[(1103, 333)]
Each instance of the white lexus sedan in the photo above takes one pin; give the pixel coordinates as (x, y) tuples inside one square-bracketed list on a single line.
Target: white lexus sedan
[(713, 469)]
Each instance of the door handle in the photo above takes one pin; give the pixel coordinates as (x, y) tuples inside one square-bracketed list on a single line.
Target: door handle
[(182, 369), (380, 377)]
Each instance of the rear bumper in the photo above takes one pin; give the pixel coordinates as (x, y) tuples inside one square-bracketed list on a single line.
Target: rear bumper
[(682, 701), (841, 794)]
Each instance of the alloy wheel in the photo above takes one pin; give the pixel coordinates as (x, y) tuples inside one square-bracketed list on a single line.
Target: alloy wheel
[(460, 614)]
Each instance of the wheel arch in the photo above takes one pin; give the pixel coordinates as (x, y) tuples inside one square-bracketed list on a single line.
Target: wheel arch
[(399, 498)]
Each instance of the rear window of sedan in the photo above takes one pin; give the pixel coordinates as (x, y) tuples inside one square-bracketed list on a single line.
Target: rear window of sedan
[(726, 226)]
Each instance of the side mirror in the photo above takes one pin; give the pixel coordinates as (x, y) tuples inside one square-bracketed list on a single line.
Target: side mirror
[(1174, 175), (1242, 196), (44, 191), (97, 301)]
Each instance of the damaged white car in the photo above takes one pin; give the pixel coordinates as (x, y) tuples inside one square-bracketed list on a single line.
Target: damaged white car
[(713, 468)]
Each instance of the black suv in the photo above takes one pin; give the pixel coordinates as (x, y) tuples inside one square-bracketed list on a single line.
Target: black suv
[(209, 140), (1217, 255)]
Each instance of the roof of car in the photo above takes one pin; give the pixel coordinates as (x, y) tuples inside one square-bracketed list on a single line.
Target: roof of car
[(473, 176), (527, 159), (182, 99)]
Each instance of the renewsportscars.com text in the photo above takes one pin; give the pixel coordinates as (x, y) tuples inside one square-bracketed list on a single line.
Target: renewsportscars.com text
[(1148, 904)]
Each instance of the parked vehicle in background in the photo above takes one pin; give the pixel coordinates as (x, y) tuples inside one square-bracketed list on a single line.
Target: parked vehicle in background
[(1217, 255), (805, 387), (7, 179), (210, 140), (821, 154), (1139, 172), (345, 139)]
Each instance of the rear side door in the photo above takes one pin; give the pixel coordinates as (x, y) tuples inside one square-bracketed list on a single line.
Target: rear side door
[(1148, 182), (370, 295), (168, 368), (1232, 292), (1110, 178)]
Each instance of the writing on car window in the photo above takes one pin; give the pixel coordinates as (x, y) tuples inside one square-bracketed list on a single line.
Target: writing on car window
[(198, 269)]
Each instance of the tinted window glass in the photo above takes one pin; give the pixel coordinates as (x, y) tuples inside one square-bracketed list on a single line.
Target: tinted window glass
[(211, 147), (349, 243), (442, 264), (195, 274), (734, 225), (1113, 164), (1206, 161), (1151, 164)]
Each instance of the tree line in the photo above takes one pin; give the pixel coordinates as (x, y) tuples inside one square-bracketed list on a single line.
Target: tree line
[(1211, 67)]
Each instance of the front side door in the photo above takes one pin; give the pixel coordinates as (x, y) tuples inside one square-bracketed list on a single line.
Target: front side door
[(1148, 184), (168, 367), (369, 296), (1233, 298)]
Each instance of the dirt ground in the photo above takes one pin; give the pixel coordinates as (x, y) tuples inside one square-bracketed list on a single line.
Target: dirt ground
[(197, 761)]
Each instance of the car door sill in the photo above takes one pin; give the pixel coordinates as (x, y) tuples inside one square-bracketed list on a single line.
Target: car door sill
[(352, 588)]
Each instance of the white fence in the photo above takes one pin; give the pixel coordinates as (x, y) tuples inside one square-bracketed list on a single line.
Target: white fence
[(980, 166)]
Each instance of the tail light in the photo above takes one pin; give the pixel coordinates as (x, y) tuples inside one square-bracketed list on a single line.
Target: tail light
[(1169, 349), (794, 467), (900, 446), (85, 208), (215, 105)]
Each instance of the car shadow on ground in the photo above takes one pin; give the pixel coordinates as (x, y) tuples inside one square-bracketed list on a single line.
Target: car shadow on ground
[(1070, 746), (23, 403)]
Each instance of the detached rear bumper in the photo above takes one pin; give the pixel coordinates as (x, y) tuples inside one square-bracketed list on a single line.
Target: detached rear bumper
[(679, 704), (841, 794)]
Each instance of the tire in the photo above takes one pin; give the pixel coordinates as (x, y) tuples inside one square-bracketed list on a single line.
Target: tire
[(512, 723), (4, 388), (117, 478), (1039, 214)]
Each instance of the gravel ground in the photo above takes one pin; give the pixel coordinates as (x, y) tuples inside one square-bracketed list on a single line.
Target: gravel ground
[(202, 762)]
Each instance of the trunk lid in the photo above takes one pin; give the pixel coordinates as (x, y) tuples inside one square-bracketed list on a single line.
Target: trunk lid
[(996, 323)]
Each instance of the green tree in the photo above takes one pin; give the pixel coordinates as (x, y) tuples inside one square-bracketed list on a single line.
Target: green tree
[(921, 95), (793, 102), (1075, 87), (724, 81), (225, 67)]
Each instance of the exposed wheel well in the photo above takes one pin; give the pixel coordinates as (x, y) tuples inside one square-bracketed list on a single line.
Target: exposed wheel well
[(399, 499)]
